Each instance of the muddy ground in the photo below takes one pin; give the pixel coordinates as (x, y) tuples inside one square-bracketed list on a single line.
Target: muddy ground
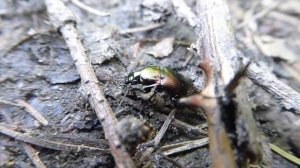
[(36, 67)]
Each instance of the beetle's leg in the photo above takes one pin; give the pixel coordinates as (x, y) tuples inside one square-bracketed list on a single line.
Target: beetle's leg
[(149, 97), (150, 86)]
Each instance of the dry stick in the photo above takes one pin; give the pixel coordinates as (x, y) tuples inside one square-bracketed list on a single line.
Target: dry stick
[(37, 115), (183, 146), (141, 29), (212, 17), (214, 42), (62, 18), (157, 138), (285, 95), (47, 144), (89, 9), (33, 155)]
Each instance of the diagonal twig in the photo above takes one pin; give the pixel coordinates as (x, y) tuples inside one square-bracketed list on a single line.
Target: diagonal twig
[(33, 155), (157, 138), (37, 115), (170, 159), (22, 104), (63, 19)]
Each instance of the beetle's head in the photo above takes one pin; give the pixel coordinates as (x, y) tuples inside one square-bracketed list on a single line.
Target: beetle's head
[(134, 78)]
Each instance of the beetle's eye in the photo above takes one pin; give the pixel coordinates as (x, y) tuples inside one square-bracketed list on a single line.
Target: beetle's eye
[(133, 78), (130, 78)]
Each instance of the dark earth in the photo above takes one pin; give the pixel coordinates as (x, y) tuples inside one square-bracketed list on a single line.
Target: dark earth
[(36, 66)]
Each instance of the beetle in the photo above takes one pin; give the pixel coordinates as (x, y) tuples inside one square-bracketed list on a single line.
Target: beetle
[(174, 83)]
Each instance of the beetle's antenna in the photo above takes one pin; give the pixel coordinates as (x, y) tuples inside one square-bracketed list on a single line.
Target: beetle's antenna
[(160, 76), (119, 56), (122, 99)]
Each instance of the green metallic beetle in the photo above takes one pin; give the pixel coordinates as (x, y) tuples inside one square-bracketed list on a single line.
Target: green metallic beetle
[(174, 83)]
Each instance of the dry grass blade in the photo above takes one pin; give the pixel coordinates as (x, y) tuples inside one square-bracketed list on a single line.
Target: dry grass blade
[(183, 146), (284, 154)]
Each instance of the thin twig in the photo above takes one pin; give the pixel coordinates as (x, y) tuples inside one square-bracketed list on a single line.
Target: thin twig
[(21, 103), (183, 146), (63, 19), (141, 29), (47, 144), (157, 138), (170, 159), (184, 125), (122, 99), (37, 115), (33, 155), (89, 9), (10, 103)]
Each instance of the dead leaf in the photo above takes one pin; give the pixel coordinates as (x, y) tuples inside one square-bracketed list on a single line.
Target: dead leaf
[(163, 48), (276, 47)]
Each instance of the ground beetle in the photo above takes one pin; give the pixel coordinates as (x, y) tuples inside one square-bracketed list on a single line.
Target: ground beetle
[(174, 83)]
